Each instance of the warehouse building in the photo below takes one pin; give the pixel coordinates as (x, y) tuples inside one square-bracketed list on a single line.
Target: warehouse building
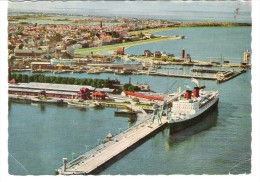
[(55, 90)]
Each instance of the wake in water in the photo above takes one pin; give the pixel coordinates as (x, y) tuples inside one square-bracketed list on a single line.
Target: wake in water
[(238, 164), (19, 163)]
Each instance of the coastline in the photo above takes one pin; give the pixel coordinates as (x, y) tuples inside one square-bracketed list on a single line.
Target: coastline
[(184, 27), (94, 50), (108, 48)]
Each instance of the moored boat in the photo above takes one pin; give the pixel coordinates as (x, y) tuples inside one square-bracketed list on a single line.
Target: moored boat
[(46, 100), (83, 104), (188, 107)]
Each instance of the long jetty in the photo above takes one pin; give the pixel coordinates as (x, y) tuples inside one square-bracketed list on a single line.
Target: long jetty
[(226, 75), (104, 154), (229, 75), (182, 76)]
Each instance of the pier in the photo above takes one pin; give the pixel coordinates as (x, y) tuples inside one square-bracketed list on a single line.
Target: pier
[(225, 76), (182, 76), (220, 77), (117, 146)]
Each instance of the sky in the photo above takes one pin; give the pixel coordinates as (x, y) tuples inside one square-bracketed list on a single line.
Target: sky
[(130, 6)]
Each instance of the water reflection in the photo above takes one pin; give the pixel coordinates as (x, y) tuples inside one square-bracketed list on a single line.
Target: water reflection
[(42, 106), (77, 108), (18, 101), (83, 109), (207, 121), (98, 108), (9, 106)]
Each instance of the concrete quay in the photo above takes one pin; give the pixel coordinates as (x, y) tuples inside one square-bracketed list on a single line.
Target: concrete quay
[(182, 76), (229, 76), (223, 77), (103, 155), (180, 61)]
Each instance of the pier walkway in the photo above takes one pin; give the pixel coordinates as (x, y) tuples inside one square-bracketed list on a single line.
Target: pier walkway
[(182, 76), (227, 76), (95, 159)]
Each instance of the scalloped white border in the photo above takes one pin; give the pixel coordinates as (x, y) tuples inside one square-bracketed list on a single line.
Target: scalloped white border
[(254, 176)]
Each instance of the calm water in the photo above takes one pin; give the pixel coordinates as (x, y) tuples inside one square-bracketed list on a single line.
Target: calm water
[(40, 135), (203, 42)]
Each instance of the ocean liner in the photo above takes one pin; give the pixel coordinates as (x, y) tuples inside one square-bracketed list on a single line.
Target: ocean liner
[(188, 108)]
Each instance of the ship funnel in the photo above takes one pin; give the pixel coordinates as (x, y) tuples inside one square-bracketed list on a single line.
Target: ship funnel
[(196, 91), (188, 94)]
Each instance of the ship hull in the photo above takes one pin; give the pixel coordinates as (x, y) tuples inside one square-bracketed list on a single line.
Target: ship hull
[(46, 101), (178, 126)]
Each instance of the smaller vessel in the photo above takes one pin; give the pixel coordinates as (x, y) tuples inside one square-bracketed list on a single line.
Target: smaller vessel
[(94, 71), (46, 100), (83, 104), (76, 104), (123, 72), (204, 64), (37, 71), (125, 112), (187, 64), (78, 71)]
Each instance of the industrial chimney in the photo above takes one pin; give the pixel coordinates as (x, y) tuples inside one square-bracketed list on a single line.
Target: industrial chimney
[(182, 53)]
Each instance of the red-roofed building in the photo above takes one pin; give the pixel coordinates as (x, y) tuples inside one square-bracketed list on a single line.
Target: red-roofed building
[(120, 51), (84, 94), (98, 96), (13, 81), (143, 96), (106, 38)]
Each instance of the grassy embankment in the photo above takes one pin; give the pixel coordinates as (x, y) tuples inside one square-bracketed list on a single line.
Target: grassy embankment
[(96, 50), (143, 105), (152, 30), (127, 103)]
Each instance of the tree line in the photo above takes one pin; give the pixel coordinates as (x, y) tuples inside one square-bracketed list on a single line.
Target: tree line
[(98, 83)]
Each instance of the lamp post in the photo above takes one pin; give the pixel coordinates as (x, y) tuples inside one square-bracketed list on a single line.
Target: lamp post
[(64, 160)]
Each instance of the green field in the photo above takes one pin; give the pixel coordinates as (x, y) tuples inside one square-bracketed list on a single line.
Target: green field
[(153, 30), (96, 50), (119, 103), (143, 105)]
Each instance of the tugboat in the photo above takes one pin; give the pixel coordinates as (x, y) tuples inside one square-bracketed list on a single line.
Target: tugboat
[(189, 106), (46, 100), (84, 104)]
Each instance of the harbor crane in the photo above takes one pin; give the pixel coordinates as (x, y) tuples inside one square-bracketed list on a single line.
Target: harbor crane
[(164, 109), (156, 115)]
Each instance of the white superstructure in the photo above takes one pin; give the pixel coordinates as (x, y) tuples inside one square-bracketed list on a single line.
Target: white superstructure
[(187, 107)]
